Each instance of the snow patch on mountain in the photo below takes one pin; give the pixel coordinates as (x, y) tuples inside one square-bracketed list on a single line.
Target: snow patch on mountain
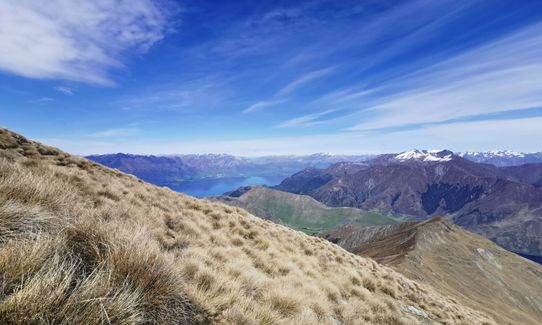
[(493, 153), (425, 155), (503, 157)]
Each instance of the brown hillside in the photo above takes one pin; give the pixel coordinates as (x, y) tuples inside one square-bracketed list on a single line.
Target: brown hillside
[(457, 263), (83, 244)]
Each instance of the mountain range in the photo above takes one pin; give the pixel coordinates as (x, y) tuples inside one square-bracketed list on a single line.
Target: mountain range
[(166, 170), (502, 203), (503, 158)]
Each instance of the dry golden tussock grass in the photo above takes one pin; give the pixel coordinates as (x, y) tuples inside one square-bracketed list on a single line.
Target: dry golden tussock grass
[(83, 244)]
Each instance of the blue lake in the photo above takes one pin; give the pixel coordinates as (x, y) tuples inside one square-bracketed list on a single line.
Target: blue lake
[(217, 186), (534, 258)]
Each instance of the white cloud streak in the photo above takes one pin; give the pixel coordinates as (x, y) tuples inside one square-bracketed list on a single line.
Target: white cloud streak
[(42, 100), (185, 95), (280, 95), (501, 76), (262, 105), (304, 79), (117, 132), (306, 120), (64, 90), (76, 39)]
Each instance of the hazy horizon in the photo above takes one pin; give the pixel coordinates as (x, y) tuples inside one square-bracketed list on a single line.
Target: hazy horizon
[(303, 155)]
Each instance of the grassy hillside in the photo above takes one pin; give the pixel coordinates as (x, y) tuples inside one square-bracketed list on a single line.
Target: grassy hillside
[(83, 244), (301, 212), (456, 262)]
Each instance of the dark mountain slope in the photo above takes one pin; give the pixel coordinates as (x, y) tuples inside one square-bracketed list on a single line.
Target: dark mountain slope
[(527, 173), (158, 170), (496, 202)]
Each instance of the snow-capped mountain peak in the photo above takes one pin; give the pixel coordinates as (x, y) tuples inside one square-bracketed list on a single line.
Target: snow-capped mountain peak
[(503, 157), (425, 155), (493, 154)]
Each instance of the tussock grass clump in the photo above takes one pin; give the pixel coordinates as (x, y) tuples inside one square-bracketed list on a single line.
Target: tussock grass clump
[(73, 251), (369, 284), (81, 276), (58, 265)]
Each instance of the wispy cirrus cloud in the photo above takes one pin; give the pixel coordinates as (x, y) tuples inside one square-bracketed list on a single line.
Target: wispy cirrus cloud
[(504, 75), (197, 94), (65, 90), (77, 40), (281, 95), (42, 100), (340, 101), (263, 104), (304, 79), (116, 132), (375, 44), (501, 75), (305, 120)]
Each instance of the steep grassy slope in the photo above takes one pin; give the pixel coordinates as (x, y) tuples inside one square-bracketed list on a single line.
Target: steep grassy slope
[(457, 263), (83, 244), (299, 212)]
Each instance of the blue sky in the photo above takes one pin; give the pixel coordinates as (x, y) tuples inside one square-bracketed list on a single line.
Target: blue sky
[(271, 77)]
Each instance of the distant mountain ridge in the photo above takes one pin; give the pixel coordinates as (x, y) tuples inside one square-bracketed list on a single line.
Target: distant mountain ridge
[(163, 170), (503, 158), (499, 158), (503, 203)]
